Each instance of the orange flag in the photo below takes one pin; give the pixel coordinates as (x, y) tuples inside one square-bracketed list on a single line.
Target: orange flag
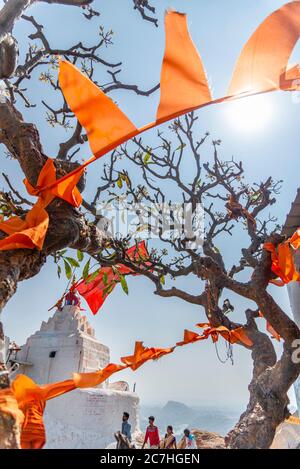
[(183, 82), (232, 336), (189, 338), (142, 354), (105, 123), (282, 260), (263, 63), (28, 233), (295, 240), (271, 329)]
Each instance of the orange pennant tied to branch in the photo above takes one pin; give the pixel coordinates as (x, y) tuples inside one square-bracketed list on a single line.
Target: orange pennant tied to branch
[(232, 336), (30, 233), (96, 291), (282, 258)]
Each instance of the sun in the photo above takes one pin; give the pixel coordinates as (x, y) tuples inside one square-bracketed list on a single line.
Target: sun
[(252, 114)]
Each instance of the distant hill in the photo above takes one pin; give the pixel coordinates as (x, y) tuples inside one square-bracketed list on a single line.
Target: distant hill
[(181, 416)]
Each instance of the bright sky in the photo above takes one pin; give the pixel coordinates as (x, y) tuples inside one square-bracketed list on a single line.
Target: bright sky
[(262, 132)]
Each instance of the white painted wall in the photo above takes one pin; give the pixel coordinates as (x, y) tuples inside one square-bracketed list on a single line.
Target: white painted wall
[(84, 418), (88, 419)]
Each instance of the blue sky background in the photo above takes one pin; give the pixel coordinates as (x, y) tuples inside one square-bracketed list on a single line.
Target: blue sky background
[(219, 30)]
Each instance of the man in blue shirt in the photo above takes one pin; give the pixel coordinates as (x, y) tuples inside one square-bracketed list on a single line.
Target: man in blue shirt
[(126, 427)]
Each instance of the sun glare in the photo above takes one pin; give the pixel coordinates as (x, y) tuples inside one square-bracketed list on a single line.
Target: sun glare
[(252, 114)]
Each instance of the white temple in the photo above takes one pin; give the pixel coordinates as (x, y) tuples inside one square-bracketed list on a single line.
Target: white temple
[(84, 418)]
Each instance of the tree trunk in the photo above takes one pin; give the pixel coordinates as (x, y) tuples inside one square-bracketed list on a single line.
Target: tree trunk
[(9, 430), (268, 402)]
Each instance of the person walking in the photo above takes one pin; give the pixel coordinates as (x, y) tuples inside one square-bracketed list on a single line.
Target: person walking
[(169, 441), (152, 434), (188, 441)]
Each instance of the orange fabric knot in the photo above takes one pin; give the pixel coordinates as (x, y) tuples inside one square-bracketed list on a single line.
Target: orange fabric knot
[(282, 259), (30, 232), (232, 336)]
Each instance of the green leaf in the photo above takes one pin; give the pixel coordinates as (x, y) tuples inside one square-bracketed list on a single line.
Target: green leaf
[(162, 280), (68, 269), (123, 283), (105, 278), (92, 276), (86, 269), (79, 255), (147, 157), (109, 288), (72, 261), (120, 183), (59, 271)]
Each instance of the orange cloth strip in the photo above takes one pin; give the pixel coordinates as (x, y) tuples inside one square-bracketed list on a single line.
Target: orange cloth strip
[(232, 336), (262, 65), (31, 400), (27, 399), (30, 233), (183, 82), (189, 338), (271, 329), (282, 259), (90, 380), (142, 354)]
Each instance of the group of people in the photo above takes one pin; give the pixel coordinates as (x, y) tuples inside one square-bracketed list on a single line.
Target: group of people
[(152, 437)]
